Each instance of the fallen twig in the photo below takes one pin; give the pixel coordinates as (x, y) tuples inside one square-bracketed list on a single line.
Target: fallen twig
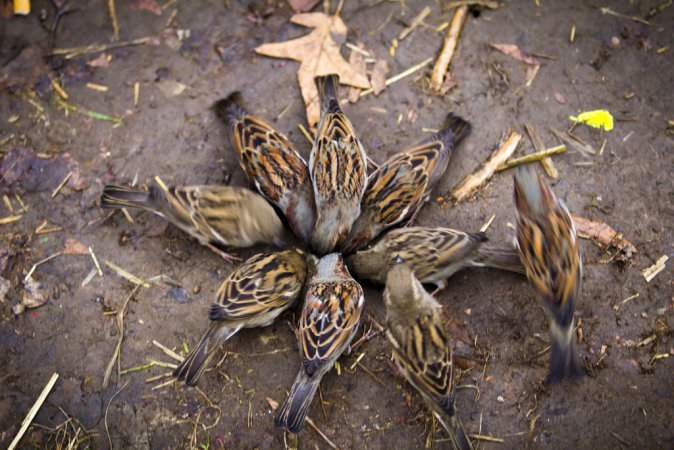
[(650, 272), (128, 275), (448, 47), (113, 17), (401, 75), (33, 410), (120, 329), (415, 23), (538, 156), (167, 351), (536, 140), (321, 434), (96, 48), (42, 261), (480, 177), (584, 148), (484, 3), (105, 417), (603, 235), (609, 11)]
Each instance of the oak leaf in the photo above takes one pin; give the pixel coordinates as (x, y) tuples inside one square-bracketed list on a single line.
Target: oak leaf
[(318, 54)]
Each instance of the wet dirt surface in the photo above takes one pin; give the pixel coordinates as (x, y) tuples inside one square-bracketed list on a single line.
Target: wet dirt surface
[(627, 399)]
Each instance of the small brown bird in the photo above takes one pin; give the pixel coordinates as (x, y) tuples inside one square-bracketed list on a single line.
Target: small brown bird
[(421, 347), (254, 295), (550, 252), (338, 168), (332, 309), (273, 164), (399, 188), (217, 216), (434, 254)]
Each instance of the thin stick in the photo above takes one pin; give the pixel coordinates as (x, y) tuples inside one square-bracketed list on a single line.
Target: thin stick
[(448, 47), (118, 348), (401, 75), (369, 372), (105, 418), (485, 227), (538, 156), (306, 134), (313, 425), (124, 274), (415, 23), (60, 186), (42, 261), (10, 219), (136, 93), (481, 437), (485, 3), (33, 411), (480, 177), (168, 351), (96, 48), (547, 163), (113, 16), (609, 11), (98, 266)]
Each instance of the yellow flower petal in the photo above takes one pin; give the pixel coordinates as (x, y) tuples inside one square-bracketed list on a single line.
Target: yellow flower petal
[(599, 118)]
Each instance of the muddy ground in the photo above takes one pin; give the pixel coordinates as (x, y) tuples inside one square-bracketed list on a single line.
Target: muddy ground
[(627, 399)]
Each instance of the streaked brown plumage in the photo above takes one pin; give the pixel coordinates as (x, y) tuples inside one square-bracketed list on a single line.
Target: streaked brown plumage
[(254, 295), (433, 253), (332, 309), (272, 163), (217, 216), (398, 189), (421, 347), (550, 252), (338, 168)]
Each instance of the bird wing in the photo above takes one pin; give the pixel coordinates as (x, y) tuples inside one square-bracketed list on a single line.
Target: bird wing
[(424, 354), (426, 249), (269, 159), (398, 188), (329, 321), (338, 162), (264, 282)]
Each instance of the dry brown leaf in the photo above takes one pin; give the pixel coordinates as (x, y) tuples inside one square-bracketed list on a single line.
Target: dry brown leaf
[(273, 404), (449, 84), (103, 60), (302, 6), (74, 247), (357, 61), (147, 5), (514, 51), (318, 54), (380, 71), (560, 98), (604, 235)]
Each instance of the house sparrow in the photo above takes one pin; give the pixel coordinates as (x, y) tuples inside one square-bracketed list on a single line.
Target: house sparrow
[(332, 309), (254, 295), (434, 254), (398, 189), (217, 216), (549, 250), (421, 347), (272, 163), (338, 167)]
